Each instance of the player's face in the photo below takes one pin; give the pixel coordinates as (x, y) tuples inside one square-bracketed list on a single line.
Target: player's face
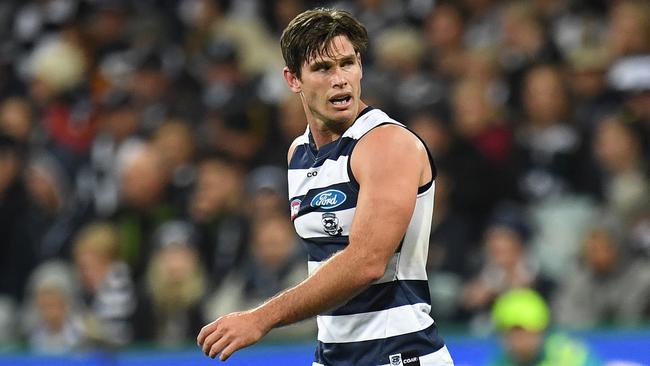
[(330, 85)]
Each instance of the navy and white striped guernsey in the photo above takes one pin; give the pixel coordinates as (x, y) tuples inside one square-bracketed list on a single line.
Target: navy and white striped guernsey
[(389, 322)]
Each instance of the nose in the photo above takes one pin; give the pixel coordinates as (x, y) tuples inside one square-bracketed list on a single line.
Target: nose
[(338, 78)]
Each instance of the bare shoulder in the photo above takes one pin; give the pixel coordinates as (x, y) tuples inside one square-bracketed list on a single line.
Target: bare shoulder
[(390, 149), (391, 136)]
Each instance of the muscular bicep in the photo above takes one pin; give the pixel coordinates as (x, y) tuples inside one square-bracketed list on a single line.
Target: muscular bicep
[(387, 164)]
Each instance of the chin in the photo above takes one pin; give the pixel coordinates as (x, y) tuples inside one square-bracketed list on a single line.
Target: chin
[(346, 114), (339, 123)]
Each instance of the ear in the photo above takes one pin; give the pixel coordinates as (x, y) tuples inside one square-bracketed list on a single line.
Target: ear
[(294, 83)]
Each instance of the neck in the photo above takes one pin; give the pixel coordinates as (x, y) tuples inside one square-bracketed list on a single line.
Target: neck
[(324, 131)]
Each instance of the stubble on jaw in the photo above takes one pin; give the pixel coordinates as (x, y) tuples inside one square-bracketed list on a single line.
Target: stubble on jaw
[(337, 127)]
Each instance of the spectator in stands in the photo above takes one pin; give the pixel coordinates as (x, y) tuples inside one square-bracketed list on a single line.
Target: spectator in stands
[(522, 318), (279, 13), (483, 20), (57, 67), (547, 144), (238, 119), (628, 44), (479, 121), (107, 288), (51, 321), (16, 119), (289, 123), (98, 180), (451, 251), (610, 286), (629, 78), (639, 231), (376, 15), (549, 164), (508, 264), (482, 65), (619, 155), (106, 27), (454, 154), (266, 192), (169, 313), (150, 87), (592, 96), (216, 208), (451, 245), (523, 44), (629, 29), (444, 30), (593, 100), (50, 220), (15, 258), (144, 183), (58, 86), (273, 262), (8, 326), (461, 208), (174, 141), (399, 73)]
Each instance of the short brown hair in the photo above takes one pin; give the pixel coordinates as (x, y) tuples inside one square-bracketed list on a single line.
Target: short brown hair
[(310, 33), (101, 238)]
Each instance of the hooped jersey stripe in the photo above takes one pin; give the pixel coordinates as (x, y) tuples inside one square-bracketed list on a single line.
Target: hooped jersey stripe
[(392, 315)]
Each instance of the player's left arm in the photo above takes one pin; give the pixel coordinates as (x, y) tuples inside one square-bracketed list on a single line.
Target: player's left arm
[(389, 163)]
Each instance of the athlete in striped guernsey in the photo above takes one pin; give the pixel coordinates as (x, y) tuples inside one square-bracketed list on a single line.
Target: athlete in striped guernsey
[(361, 192)]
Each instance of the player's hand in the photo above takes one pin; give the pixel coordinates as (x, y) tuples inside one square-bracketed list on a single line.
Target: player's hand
[(230, 333)]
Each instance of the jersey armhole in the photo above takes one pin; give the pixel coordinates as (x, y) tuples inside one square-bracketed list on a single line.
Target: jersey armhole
[(291, 152), (354, 184), (432, 164)]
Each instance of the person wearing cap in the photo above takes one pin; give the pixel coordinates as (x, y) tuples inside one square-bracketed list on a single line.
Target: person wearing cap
[(522, 318), (266, 188)]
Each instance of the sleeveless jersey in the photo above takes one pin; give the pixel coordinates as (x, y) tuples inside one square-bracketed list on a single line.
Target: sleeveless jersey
[(389, 321)]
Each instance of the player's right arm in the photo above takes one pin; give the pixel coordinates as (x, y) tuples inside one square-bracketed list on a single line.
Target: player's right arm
[(388, 189), (387, 194)]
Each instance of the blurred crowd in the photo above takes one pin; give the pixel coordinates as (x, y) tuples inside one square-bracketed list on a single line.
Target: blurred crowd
[(143, 154)]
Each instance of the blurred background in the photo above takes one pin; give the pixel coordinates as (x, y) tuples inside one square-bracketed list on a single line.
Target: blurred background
[(143, 155)]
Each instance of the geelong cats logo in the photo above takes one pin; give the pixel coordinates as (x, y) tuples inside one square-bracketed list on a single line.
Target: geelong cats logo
[(396, 360), (331, 224)]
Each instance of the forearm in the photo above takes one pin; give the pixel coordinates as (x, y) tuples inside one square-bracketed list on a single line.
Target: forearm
[(335, 282)]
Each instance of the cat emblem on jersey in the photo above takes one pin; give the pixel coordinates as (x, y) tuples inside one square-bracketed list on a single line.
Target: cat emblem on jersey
[(331, 224), (396, 360)]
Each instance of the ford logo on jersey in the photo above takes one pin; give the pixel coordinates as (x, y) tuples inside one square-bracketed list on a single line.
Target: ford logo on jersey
[(328, 199)]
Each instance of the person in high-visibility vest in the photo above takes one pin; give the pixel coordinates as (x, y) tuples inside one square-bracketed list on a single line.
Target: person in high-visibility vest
[(522, 318)]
